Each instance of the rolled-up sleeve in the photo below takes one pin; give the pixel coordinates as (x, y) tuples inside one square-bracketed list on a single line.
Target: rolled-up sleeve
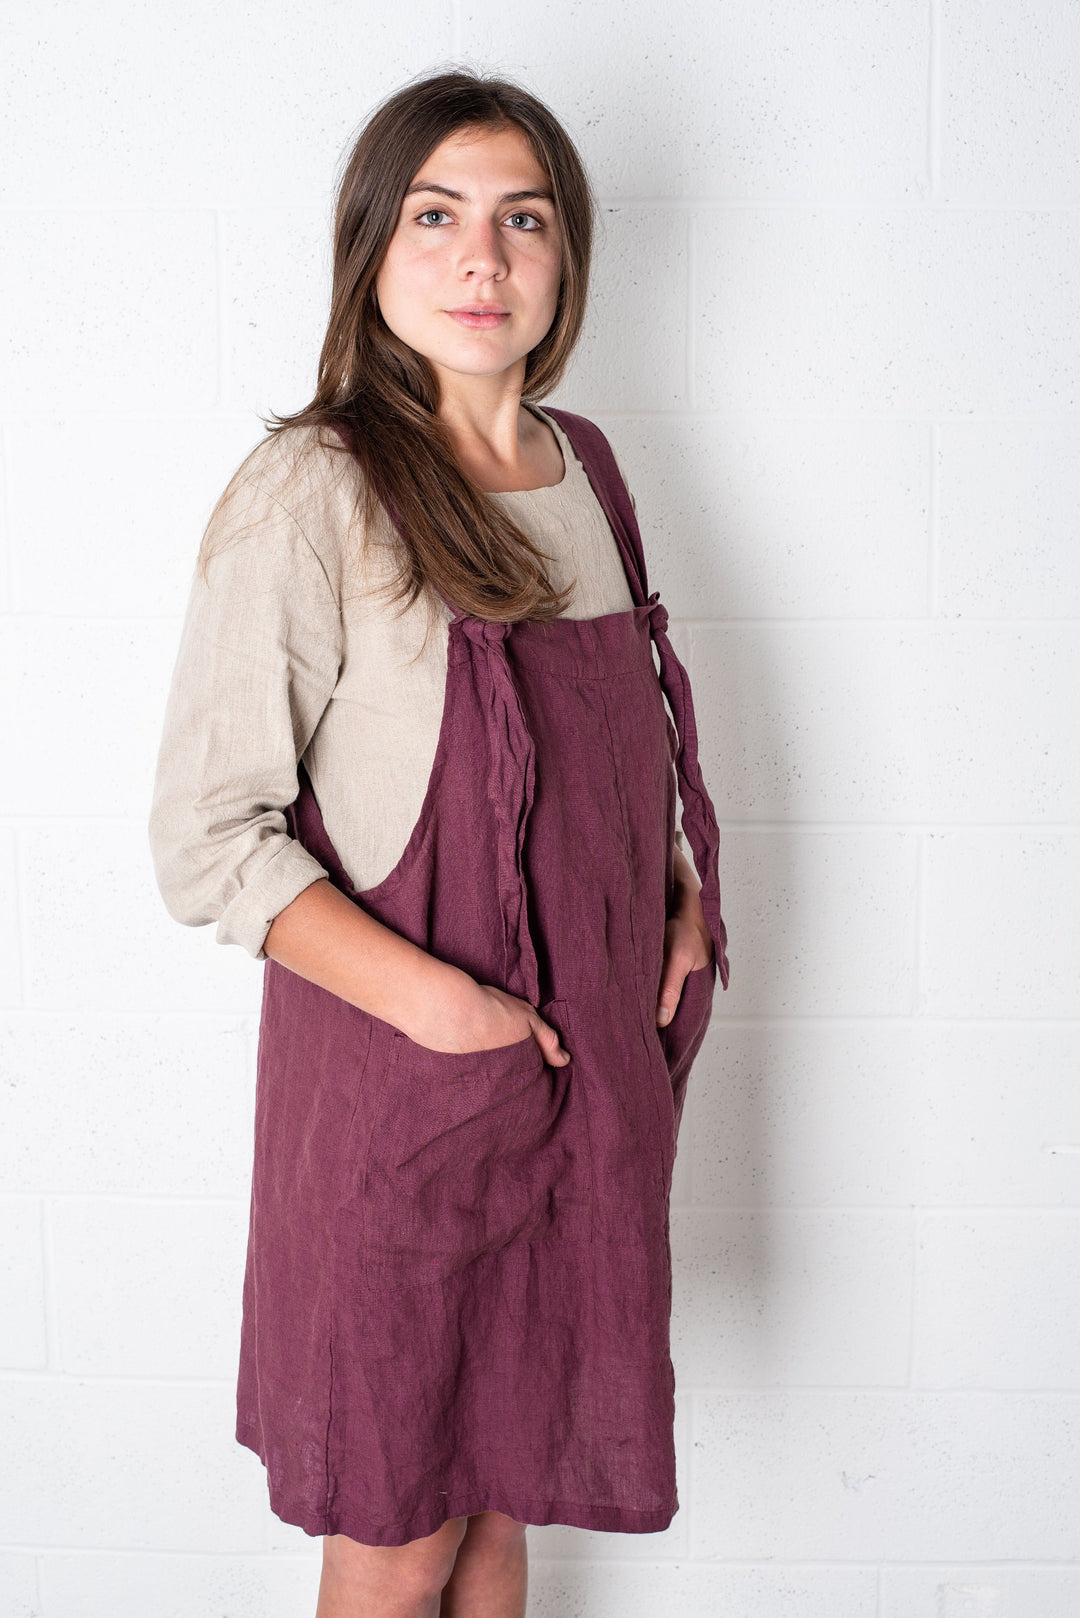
[(258, 659)]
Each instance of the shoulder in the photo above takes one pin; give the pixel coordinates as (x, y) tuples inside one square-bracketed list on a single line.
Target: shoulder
[(305, 470), (296, 490)]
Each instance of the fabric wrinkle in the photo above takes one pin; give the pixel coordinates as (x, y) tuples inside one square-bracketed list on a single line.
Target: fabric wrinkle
[(458, 1298)]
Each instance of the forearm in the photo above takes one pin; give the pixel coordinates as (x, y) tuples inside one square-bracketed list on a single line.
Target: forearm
[(324, 937)]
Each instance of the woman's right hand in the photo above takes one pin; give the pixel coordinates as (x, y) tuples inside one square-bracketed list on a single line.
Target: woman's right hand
[(332, 941), (473, 1016)]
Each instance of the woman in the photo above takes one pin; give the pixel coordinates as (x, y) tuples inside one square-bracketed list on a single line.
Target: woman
[(417, 759)]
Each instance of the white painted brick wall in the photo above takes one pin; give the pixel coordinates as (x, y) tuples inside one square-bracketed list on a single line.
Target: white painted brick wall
[(836, 339)]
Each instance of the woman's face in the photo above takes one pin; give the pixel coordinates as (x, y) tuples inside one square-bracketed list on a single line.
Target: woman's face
[(477, 230)]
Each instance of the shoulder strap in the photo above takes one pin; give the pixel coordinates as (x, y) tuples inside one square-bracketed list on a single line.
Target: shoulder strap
[(596, 456)]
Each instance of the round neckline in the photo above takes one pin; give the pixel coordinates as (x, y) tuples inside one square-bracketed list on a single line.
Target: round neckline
[(570, 460)]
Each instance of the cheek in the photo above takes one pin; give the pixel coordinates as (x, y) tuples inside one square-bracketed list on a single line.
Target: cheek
[(541, 274), (403, 280)]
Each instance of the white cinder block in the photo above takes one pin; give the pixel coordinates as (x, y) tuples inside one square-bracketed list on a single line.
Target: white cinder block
[(162, 1105), (12, 991), (819, 923), (997, 1299), (134, 328), (791, 1296), (971, 1591), (93, 1584), (23, 1338), (742, 100), (1010, 109), (612, 1590), (148, 1288), (239, 107), (127, 1465), (1001, 930), (102, 732), (18, 1585), (884, 1113), (1000, 745), (868, 1476), (276, 290), (1007, 494), (903, 313), (117, 535), (833, 339), (780, 517), (680, 1178), (876, 722), (633, 345), (98, 936), (6, 541)]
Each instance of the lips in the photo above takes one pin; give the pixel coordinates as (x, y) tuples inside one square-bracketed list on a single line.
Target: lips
[(477, 320)]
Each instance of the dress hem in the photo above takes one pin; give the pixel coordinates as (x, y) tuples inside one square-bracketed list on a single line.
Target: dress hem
[(539, 1514)]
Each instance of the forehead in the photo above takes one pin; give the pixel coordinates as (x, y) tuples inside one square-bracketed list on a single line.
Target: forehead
[(482, 162)]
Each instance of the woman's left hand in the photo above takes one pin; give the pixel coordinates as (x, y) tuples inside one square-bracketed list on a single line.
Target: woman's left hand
[(688, 943)]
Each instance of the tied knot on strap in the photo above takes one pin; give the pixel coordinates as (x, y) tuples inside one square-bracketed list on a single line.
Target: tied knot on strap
[(658, 613), (483, 632)]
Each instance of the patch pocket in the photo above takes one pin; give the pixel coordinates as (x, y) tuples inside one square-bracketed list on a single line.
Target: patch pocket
[(463, 1156), (684, 1035)]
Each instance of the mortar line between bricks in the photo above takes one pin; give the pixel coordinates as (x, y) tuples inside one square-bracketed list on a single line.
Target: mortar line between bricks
[(181, 1197), (100, 1379), (257, 1553), (855, 206), (880, 1390), (928, 1210)]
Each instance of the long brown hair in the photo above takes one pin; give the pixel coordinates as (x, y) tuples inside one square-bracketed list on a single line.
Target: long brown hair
[(382, 395)]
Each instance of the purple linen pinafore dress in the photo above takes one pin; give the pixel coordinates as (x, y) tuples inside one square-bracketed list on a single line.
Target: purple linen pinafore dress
[(458, 1286)]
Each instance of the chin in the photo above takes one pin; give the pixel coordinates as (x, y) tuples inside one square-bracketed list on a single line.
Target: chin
[(475, 365)]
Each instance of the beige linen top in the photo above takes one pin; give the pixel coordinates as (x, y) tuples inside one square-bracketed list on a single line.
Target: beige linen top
[(288, 651)]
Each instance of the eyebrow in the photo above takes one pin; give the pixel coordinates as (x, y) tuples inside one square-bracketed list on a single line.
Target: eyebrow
[(459, 196)]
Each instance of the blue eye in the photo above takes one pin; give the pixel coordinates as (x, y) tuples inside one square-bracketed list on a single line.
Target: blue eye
[(428, 211)]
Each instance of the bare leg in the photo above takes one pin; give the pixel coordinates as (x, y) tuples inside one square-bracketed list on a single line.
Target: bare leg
[(490, 1575), (387, 1581)]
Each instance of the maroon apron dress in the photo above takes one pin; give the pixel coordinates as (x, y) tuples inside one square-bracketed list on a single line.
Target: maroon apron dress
[(458, 1287)]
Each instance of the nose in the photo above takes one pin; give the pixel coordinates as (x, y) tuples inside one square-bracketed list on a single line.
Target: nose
[(480, 250)]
